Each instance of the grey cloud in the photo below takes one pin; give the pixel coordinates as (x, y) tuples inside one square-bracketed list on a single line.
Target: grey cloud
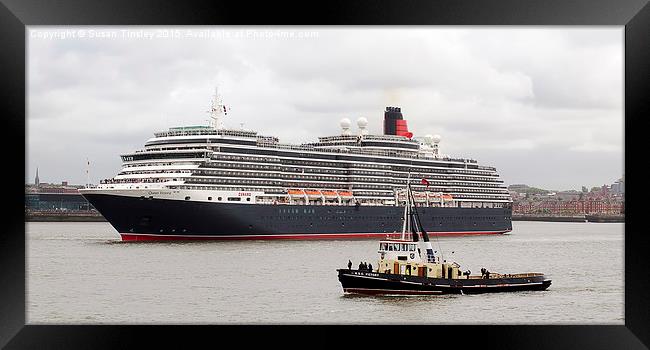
[(491, 94)]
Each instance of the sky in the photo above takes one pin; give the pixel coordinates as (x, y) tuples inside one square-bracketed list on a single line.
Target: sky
[(544, 105)]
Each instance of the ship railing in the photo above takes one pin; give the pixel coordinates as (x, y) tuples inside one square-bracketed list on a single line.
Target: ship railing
[(139, 180), (395, 138), (175, 150), (480, 167), (205, 131), (326, 139), (272, 142), (374, 152), (529, 274), (515, 275), (286, 146), (268, 139)]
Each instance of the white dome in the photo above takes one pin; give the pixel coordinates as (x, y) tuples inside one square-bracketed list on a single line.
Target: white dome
[(345, 123), (436, 138), (362, 122)]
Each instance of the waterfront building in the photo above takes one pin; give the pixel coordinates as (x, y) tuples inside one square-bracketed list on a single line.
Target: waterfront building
[(54, 197)]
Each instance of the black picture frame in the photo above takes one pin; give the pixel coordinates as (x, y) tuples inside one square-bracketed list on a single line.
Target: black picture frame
[(15, 15)]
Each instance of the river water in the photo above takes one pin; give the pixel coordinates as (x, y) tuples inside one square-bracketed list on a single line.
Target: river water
[(81, 273)]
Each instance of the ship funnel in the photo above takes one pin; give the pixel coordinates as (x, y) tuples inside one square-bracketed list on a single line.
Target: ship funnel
[(394, 123)]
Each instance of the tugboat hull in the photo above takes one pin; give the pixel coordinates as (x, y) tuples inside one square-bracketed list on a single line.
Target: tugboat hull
[(373, 283)]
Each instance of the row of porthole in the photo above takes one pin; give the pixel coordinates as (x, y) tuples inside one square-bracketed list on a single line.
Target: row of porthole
[(304, 162), (231, 199), (161, 230)]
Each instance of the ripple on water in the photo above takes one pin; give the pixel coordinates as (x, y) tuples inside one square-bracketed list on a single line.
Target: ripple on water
[(83, 273)]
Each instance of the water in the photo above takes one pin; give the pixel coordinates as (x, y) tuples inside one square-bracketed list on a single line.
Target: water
[(81, 273)]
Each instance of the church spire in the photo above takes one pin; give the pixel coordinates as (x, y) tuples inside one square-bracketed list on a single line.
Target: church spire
[(36, 180)]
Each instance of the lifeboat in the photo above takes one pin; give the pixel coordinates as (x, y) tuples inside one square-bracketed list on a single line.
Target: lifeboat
[(294, 192), (419, 196), (345, 193), (438, 196), (329, 193), (313, 193)]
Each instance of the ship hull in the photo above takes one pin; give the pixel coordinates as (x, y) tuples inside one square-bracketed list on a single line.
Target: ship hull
[(373, 283), (140, 218)]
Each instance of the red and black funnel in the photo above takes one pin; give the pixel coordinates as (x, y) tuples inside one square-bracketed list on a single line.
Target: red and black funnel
[(394, 123)]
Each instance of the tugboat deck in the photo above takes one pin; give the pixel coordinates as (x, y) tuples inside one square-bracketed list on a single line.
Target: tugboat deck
[(366, 282)]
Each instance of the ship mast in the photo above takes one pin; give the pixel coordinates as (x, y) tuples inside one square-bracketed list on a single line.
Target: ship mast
[(217, 110)]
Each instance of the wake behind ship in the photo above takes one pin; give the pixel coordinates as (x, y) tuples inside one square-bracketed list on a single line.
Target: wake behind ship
[(211, 182)]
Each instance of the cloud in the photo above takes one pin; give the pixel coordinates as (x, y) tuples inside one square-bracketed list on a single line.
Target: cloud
[(487, 91)]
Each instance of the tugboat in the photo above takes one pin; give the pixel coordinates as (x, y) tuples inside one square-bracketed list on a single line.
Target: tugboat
[(412, 267)]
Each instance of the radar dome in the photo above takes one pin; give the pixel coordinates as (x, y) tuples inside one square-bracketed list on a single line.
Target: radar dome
[(436, 138), (362, 122), (345, 123)]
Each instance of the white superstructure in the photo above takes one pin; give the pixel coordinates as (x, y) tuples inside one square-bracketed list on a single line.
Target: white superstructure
[(351, 168)]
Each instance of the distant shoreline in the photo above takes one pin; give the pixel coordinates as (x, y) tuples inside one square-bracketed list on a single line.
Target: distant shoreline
[(64, 217), (595, 218), (85, 217)]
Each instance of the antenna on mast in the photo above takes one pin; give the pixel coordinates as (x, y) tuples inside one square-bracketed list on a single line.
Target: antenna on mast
[(217, 110), (87, 173)]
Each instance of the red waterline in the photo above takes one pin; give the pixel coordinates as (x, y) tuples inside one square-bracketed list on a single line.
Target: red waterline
[(389, 291), (297, 236)]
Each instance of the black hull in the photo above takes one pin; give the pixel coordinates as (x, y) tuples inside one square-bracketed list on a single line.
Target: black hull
[(156, 219), (373, 283)]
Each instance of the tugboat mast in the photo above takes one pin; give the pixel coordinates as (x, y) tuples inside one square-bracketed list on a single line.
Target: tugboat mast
[(407, 217), (425, 244)]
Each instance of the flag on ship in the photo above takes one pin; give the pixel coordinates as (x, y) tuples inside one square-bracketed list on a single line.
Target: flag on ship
[(425, 182)]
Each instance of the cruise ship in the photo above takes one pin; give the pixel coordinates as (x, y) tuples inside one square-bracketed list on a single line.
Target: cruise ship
[(213, 182)]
